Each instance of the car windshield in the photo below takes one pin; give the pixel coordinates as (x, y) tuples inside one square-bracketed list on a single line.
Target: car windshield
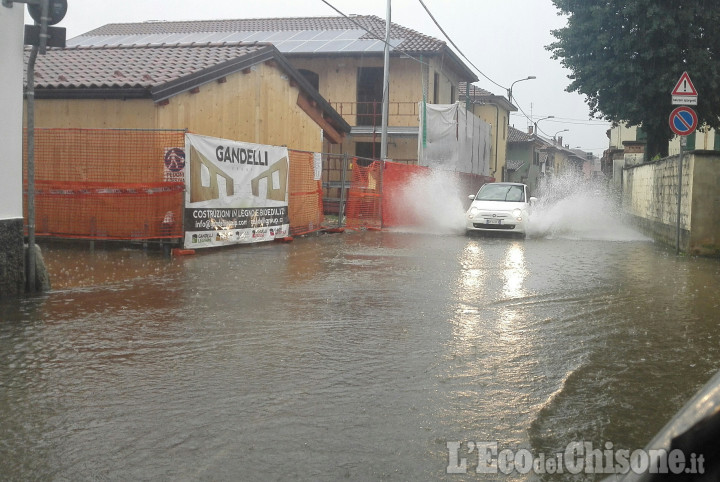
[(501, 192)]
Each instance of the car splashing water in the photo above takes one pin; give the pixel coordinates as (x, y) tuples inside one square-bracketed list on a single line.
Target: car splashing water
[(567, 207), (571, 207)]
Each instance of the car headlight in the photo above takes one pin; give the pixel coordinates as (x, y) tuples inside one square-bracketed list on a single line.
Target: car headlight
[(473, 212), (517, 214)]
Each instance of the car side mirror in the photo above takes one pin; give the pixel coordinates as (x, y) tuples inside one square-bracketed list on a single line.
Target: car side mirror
[(471, 197), (533, 200)]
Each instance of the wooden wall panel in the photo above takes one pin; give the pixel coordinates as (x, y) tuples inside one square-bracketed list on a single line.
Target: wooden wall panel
[(95, 113), (259, 106)]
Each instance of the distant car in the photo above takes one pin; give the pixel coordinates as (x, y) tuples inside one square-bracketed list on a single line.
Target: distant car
[(499, 207)]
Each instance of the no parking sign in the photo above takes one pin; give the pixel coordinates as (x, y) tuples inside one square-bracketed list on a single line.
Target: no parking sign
[(683, 121)]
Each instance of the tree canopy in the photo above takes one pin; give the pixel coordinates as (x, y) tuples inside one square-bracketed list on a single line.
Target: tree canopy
[(626, 56)]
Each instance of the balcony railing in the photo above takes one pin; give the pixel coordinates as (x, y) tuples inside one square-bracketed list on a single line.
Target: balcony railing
[(405, 114)]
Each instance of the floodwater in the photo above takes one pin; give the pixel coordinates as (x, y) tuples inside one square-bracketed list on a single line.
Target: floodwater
[(353, 356)]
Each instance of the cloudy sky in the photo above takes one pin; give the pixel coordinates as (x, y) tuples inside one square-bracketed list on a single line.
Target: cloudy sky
[(505, 39)]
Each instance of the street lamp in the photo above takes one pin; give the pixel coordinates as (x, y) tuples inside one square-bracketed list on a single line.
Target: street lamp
[(536, 122), (509, 91), (558, 132)]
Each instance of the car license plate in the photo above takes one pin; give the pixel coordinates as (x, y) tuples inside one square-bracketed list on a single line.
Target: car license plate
[(493, 221)]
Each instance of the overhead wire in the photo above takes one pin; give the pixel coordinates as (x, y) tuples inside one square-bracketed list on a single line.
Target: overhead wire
[(456, 47)]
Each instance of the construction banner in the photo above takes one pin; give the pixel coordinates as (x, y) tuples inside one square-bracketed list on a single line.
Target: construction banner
[(235, 192)]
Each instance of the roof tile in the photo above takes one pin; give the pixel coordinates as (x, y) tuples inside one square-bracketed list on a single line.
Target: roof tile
[(143, 67)]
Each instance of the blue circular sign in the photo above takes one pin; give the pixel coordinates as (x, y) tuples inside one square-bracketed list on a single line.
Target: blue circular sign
[(683, 121)]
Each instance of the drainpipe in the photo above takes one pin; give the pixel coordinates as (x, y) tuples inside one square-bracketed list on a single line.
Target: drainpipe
[(497, 130), (386, 87)]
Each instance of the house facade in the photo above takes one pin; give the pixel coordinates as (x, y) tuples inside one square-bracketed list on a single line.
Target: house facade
[(526, 162), (495, 110), (12, 263), (342, 57)]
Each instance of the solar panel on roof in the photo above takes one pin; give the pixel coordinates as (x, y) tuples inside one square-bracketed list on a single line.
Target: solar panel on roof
[(173, 38), (306, 34), (334, 45), (291, 41), (298, 46), (364, 45), (279, 36), (217, 37), (256, 36), (352, 34), (328, 35)]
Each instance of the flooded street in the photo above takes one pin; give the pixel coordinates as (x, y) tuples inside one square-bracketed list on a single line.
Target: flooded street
[(349, 356)]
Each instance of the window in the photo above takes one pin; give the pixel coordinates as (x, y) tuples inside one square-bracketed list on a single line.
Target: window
[(368, 150), (369, 96), (311, 77), (691, 141), (436, 88)]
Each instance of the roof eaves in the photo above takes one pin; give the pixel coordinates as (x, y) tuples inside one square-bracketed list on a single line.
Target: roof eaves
[(188, 82), (122, 93), (464, 69)]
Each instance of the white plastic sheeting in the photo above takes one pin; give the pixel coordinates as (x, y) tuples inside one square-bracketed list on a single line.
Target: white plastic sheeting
[(453, 139)]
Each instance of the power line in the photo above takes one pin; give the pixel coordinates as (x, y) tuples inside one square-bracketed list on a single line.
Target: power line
[(571, 121)]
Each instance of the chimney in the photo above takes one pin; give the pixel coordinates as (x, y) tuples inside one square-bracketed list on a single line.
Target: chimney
[(559, 141), (530, 130)]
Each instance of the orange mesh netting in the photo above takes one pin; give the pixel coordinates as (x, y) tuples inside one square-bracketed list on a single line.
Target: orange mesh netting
[(364, 207), (305, 206), (108, 183)]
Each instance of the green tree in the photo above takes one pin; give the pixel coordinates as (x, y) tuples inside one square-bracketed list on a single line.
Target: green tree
[(626, 56)]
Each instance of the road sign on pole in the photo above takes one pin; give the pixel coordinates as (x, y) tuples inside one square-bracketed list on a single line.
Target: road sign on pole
[(683, 121), (684, 92)]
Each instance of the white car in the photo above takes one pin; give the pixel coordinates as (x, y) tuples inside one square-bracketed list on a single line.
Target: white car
[(499, 207)]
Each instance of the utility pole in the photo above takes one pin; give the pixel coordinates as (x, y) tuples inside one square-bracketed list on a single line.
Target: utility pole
[(44, 16), (31, 261), (386, 87)]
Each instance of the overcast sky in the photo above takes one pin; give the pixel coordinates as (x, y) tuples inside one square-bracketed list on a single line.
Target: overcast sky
[(505, 39)]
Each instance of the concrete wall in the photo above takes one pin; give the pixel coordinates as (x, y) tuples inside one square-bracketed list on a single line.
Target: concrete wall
[(650, 196), (705, 209), (11, 208)]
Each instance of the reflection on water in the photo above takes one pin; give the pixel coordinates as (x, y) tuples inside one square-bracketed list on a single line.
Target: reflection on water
[(515, 271), (347, 356)]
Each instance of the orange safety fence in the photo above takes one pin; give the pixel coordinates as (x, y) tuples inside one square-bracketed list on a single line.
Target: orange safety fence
[(118, 184), (305, 205), (126, 184), (364, 203)]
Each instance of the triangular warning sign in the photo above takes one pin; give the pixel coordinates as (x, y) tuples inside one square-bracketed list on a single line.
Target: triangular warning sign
[(684, 86)]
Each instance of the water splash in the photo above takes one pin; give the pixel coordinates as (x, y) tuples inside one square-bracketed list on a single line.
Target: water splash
[(572, 207), (433, 203)]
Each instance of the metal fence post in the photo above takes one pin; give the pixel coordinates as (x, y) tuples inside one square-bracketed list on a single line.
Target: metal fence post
[(343, 179)]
